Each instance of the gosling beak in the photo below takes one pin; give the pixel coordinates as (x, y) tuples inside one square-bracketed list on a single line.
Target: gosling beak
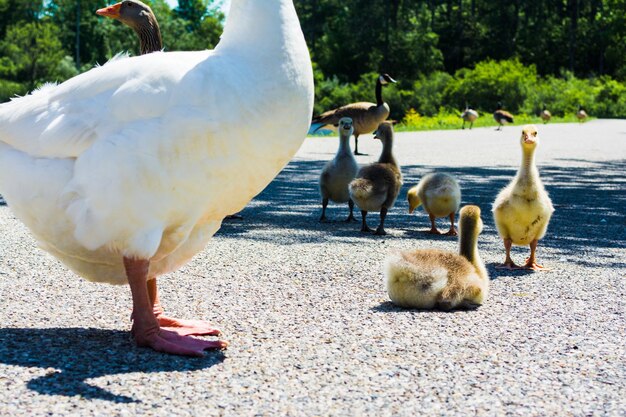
[(112, 11), (529, 139), (376, 136)]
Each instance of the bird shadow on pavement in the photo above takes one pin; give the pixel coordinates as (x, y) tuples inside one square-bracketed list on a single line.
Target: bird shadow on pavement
[(70, 356), (588, 196)]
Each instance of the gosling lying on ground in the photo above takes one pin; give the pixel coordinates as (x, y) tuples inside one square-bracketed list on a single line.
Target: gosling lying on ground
[(429, 278), (339, 172), (440, 195), (377, 185), (523, 208)]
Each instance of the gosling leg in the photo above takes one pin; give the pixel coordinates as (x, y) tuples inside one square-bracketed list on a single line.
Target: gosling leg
[(364, 227), (380, 231), (324, 205), (531, 262), (433, 227), (508, 262), (351, 217), (452, 231)]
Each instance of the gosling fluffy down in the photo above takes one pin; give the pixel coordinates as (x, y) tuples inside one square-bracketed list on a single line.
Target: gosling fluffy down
[(440, 195), (431, 278)]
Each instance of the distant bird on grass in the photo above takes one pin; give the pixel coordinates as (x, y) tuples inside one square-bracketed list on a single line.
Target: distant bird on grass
[(545, 114), (469, 115), (581, 114), (365, 116), (502, 116)]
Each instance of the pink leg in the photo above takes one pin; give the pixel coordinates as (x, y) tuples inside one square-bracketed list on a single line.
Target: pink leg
[(452, 231), (433, 227), (531, 261), (146, 330), (182, 327), (508, 262)]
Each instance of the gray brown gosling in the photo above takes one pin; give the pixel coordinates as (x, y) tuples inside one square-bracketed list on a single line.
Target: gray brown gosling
[(339, 172), (431, 278), (581, 114), (522, 210), (377, 185), (440, 195)]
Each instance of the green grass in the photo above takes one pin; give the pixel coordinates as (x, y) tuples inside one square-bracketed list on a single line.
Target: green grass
[(446, 121)]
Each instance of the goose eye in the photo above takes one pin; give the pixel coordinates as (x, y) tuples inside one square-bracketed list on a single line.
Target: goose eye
[(535, 134), (129, 4)]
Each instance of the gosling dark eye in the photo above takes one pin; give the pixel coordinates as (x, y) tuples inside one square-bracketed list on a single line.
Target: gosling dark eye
[(129, 4)]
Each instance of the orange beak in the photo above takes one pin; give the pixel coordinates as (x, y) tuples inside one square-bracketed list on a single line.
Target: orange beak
[(112, 11)]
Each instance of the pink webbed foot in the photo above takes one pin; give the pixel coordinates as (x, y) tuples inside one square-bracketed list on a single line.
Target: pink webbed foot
[(434, 231), (510, 265), (534, 266), (187, 327), (170, 342), (452, 232)]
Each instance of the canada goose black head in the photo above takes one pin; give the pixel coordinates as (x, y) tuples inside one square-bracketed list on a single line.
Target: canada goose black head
[(385, 79)]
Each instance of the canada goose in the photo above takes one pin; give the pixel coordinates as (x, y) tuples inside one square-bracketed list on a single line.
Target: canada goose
[(502, 116), (365, 116), (545, 115), (339, 172), (581, 114), (126, 171), (139, 17), (429, 278), (440, 195), (377, 185), (469, 115), (523, 208)]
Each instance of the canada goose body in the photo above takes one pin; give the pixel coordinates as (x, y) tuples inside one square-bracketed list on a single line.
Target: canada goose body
[(522, 210), (365, 116), (440, 195), (430, 278), (377, 185), (502, 117), (339, 172), (469, 115)]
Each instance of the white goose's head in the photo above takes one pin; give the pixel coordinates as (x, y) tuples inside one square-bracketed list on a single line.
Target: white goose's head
[(346, 127), (529, 139)]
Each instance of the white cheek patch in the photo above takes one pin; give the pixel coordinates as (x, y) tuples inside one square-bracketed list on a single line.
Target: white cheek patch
[(382, 80)]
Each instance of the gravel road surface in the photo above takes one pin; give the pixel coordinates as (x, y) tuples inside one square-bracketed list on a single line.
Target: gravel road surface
[(310, 327)]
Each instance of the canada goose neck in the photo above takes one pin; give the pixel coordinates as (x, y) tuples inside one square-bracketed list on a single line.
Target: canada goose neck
[(379, 93), (149, 36), (386, 156)]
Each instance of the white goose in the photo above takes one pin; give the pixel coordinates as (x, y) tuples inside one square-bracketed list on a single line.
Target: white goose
[(126, 171)]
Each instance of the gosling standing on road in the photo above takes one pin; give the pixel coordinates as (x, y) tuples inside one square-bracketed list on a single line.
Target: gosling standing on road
[(339, 172), (523, 208)]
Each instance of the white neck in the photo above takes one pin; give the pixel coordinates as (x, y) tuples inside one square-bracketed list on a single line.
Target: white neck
[(253, 24)]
